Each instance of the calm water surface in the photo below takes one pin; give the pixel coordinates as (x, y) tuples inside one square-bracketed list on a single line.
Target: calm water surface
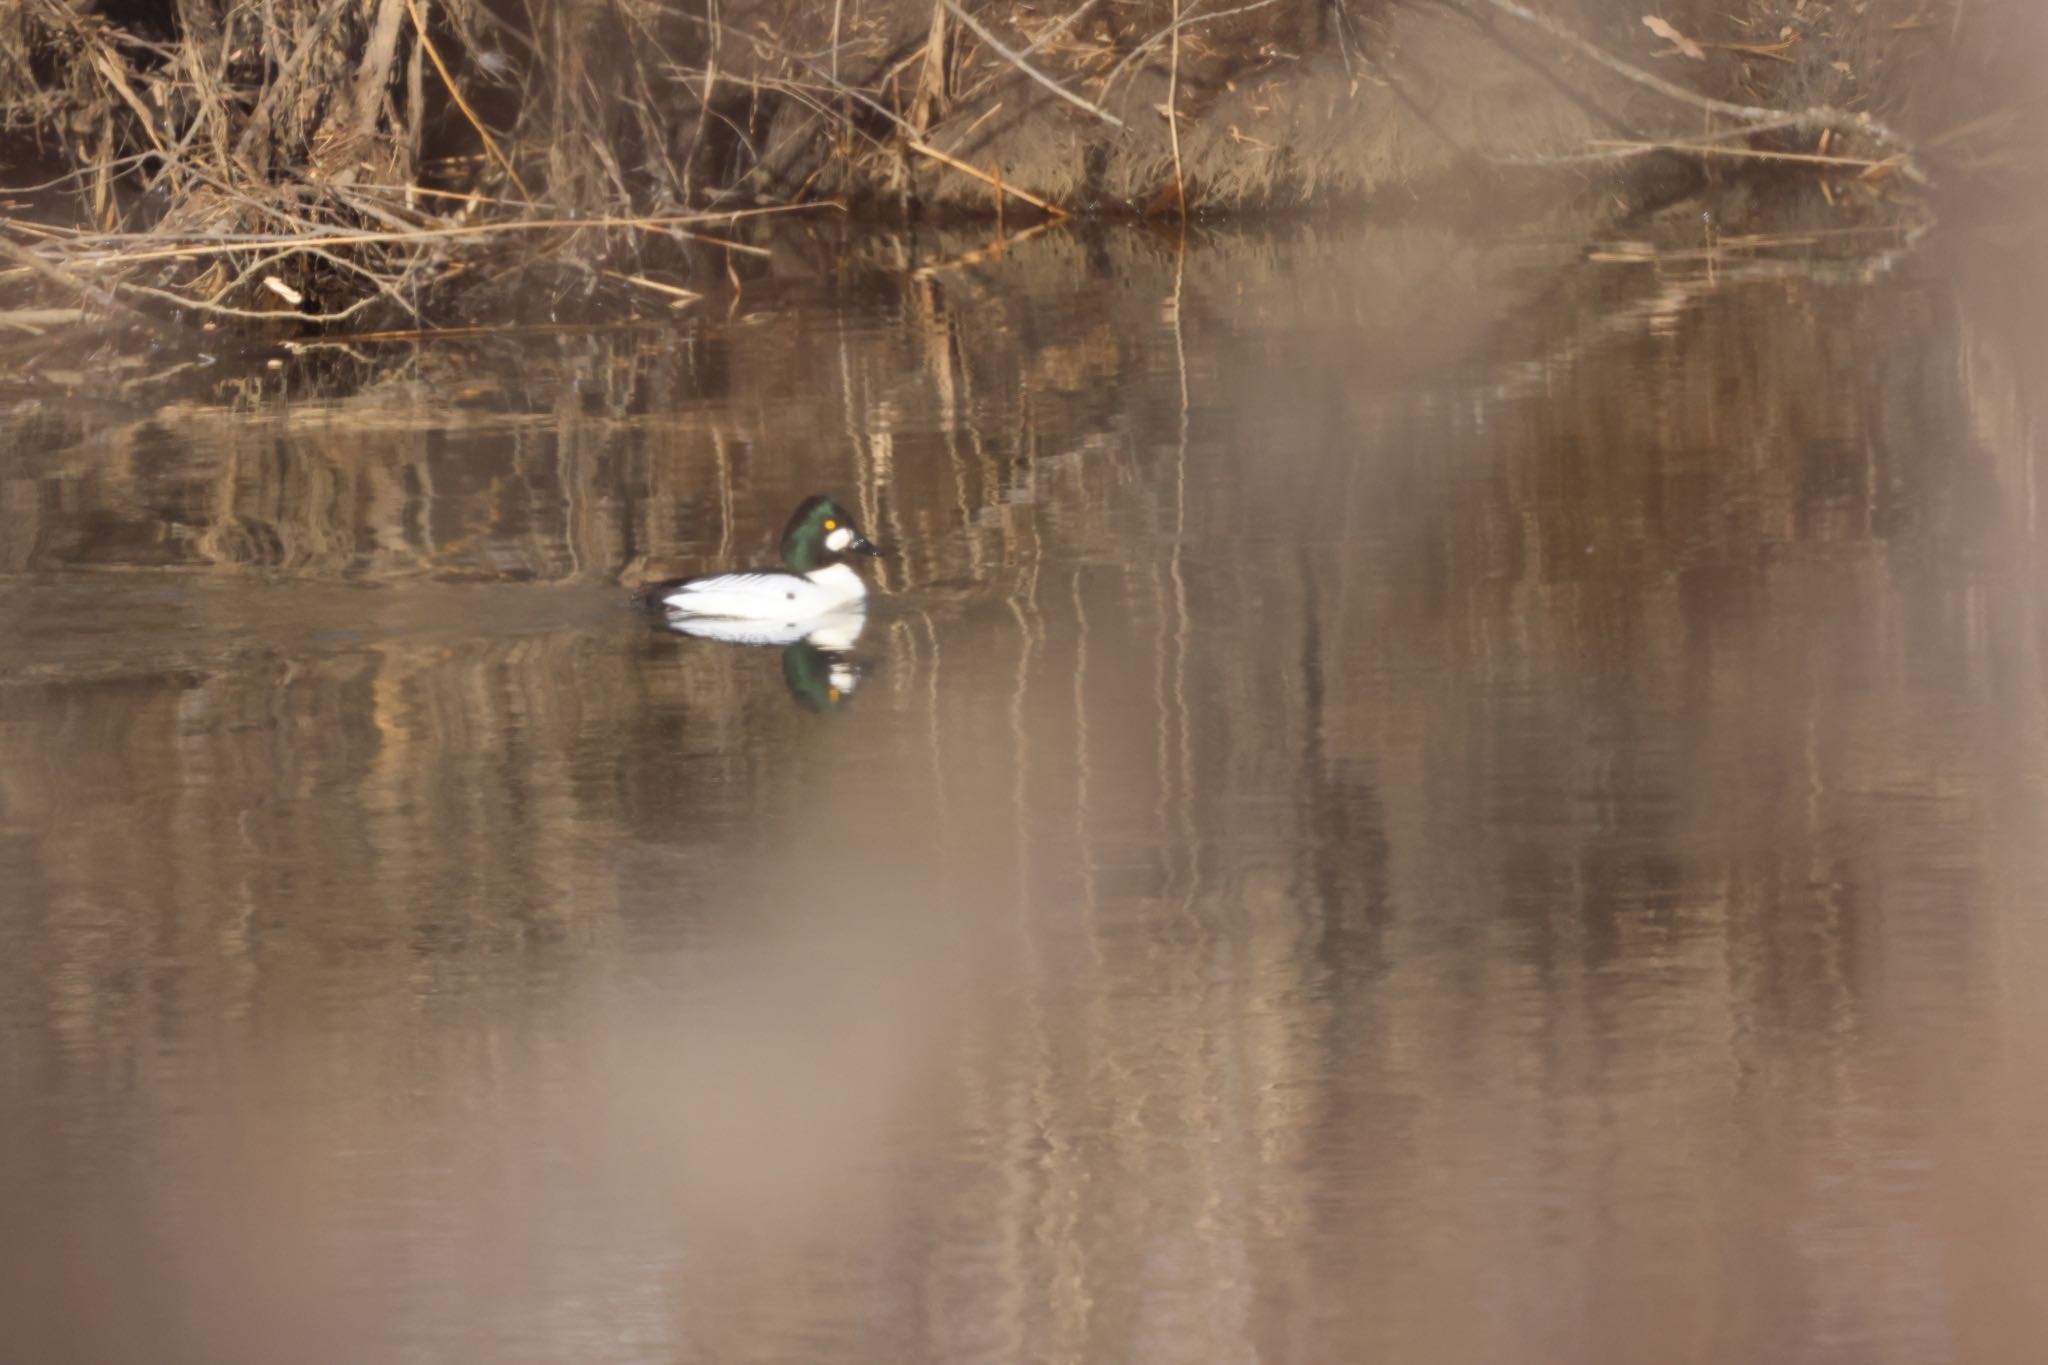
[(1404, 799)]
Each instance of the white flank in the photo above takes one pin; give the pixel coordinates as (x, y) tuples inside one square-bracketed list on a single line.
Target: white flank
[(779, 597)]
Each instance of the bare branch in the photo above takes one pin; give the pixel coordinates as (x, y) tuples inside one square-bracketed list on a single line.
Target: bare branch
[(1017, 60), (1810, 120)]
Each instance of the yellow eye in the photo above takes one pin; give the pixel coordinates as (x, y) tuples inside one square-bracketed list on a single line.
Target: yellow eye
[(831, 525), (834, 692)]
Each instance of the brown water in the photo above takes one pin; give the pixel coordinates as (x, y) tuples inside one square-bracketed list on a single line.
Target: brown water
[(1411, 799)]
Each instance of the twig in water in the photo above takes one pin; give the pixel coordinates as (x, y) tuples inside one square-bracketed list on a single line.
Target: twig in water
[(1000, 185), (683, 297), (1625, 150), (1752, 154), (983, 253)]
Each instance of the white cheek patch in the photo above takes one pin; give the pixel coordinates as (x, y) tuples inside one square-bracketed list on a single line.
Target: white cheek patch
[(843, 677), (838, 540)]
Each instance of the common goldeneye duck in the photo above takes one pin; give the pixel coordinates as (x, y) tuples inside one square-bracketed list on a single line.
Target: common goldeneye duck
[(818, 663), (816, 546)]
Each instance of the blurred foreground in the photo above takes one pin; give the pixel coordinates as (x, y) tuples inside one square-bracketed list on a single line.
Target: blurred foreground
[(1414, 799)]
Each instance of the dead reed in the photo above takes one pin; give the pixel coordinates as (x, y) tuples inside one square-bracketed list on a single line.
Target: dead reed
[(320, 162)]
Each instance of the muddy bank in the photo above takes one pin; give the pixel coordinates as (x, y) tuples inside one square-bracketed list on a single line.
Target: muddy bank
[(379, 165), (1289, 106)]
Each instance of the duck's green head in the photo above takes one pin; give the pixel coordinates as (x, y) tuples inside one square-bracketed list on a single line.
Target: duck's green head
[(821, 533)]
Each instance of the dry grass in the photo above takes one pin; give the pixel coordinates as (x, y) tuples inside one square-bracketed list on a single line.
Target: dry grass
[(319, 161)]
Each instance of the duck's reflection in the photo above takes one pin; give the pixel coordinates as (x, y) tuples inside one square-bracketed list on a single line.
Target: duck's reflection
[(818, 666)]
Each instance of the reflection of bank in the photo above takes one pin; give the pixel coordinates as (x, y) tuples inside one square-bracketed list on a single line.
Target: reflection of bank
[(818, 665)]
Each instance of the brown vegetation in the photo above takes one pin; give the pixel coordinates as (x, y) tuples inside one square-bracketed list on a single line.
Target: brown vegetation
[(338, 161)]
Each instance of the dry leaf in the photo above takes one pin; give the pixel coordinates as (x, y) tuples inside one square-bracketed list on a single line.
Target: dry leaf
[(1674, 37)]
